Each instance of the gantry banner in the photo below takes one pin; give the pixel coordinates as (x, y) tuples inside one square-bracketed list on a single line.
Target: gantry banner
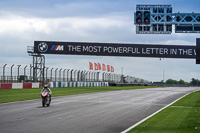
[(115, 49)]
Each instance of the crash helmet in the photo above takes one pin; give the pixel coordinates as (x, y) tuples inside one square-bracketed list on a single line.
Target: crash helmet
[(45, 86)]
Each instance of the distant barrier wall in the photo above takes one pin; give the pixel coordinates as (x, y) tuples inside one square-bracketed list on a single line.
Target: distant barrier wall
[(52, 85), (19, 85), (77, 84)]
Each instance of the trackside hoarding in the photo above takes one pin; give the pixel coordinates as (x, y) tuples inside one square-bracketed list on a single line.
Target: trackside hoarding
[(115, 49)]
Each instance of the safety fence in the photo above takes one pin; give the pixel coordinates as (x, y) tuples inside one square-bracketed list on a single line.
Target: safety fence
[(24, 73)]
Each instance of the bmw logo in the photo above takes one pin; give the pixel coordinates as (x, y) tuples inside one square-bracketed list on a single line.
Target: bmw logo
[(42, 47)]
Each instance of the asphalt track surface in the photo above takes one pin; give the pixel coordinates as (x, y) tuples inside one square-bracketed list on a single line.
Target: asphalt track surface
[(105, 112)]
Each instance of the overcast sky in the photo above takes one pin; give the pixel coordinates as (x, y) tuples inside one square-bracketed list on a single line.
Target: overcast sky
[(24, 21)]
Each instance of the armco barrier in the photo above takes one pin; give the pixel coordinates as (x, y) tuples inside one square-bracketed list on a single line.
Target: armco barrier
[(27, 85), (19, 85), (36, 85), (77, 84), (6, 86), (59, 84)]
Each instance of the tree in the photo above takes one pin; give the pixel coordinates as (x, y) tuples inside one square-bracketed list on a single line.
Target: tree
[(181, 81), (171, 81), (195, 82)]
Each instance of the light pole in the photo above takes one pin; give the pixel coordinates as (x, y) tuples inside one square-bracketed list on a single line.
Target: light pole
[(103, 76), (11, 73), (81, 78), (30, 72), (84, 75), (18, 72), (4, 73), (46, 72), (110, 77), (75, 75), (89, 76), (55, 73), (78, 75), (98, 76), (107, 77), (60, 74), (25, 70), (67, 74), (92, 76), (64, 75), (51, 73), (24, 73), (71, 75)]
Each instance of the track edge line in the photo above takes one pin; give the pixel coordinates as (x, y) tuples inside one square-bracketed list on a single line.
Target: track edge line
[(138, 123)]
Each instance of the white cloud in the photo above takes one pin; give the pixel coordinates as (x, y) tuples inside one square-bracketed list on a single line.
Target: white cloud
[(20, 24), (177, 42)]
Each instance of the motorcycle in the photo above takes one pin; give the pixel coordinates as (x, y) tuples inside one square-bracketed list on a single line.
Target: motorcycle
[(46, 99)]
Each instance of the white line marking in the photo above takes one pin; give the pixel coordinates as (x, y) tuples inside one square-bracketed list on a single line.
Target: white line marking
[(136, 124)]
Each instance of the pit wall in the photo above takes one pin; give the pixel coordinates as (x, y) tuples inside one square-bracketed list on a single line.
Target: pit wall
[(77, 84), (19, 85)]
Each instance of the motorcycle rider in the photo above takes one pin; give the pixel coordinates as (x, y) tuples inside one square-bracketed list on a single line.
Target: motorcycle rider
[(46, 88)]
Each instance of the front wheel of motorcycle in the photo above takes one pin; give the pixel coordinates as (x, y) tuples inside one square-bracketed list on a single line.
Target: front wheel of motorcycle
[(43, 102)]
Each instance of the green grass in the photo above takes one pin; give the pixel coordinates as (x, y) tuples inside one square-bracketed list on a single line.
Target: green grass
[(182, 117), (12, 95)]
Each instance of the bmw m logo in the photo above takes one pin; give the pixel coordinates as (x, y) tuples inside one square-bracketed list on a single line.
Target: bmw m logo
[(57, 48), (42, 47)]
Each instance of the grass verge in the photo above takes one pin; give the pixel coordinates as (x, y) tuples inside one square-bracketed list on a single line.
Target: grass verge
[(181, 117), (12, 95)]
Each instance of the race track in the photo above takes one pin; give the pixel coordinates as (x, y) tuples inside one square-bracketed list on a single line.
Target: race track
[(106, 112)]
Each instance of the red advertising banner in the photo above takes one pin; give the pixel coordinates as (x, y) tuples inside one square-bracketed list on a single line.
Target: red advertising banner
[(91, 65), (99, 66), (95, 66), (112, 69), (103, 67), (108, 68)]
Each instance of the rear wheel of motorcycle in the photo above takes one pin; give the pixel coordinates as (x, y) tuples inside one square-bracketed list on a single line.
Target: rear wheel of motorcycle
[(49, 103)]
